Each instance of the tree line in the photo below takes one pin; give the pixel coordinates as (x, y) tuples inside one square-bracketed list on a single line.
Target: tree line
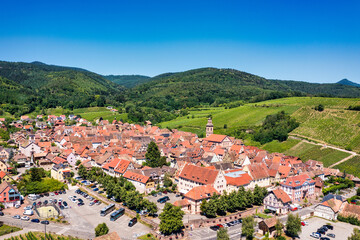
[(232, 202)]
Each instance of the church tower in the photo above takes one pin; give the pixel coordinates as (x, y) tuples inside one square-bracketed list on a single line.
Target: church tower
[(209, 127)]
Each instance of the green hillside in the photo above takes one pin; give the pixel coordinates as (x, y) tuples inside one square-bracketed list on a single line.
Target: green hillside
[(334, 125), (37, 85), (128, 81)]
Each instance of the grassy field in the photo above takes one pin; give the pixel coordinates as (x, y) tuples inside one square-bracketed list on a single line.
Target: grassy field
[(306, 151), (351, 166), (276, 146), (6, 229), (334, 125)]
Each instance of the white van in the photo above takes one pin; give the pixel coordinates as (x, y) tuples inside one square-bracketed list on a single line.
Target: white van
[(32, 197), (29, 212)]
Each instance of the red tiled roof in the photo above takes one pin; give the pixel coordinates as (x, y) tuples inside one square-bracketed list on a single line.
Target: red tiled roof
[(2, 174), (258, 171), (119, 165), (136, 177), (298, 180), (281, 195), (199, 174), (201, 192), (215, 138), (181, 203), (242, 180)]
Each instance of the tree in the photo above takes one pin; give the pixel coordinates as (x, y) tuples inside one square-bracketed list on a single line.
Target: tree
[(78, 162), (355, 235), (248, 227), (293, 225), (211, 208), (101, 229), (222, 234), (221, 205), (36, 174), (171, 219), (203, 206), (153, 156), (259, 195), (82, 171), (167, 181), (279, 227), (151, 207), (319, 108)]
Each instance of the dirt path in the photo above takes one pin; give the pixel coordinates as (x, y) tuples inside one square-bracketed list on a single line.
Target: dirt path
[(324, 145)]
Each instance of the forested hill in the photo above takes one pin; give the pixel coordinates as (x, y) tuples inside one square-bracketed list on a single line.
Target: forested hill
[(128, 81), (348, 82), (218, 86), (39, 85)]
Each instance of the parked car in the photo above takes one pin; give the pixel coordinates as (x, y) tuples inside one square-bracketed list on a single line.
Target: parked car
[(52, 194), (163, 199), (25, 218), (1, 213), (293, 209), (35, 220), (330, 235), (132, 222), (17, 206), (303, 224), (324, 238), (315, 235), (329, 227), (16, 216), (215, 228), (95, 189), (80, 204), (100, 192), (91, 203), (46, 222)]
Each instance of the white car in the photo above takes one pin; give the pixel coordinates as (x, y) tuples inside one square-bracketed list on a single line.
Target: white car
[(306, 223), (17, 206), (315, 235), (25, 218), (52, 194)]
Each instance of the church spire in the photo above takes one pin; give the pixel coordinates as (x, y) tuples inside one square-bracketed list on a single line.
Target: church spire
[(209, 127)]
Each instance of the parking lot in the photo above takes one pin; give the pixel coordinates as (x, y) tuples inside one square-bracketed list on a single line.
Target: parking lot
[(209, 234), (87, 217), (160, 206), (341, 230)]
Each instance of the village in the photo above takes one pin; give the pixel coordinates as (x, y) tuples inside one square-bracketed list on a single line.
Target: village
[(199, 170)]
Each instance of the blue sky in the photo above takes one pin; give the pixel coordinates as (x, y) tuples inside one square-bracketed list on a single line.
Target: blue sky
[(315, 41)]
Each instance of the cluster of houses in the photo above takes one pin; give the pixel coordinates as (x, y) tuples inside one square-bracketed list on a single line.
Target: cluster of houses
[(200, 167)]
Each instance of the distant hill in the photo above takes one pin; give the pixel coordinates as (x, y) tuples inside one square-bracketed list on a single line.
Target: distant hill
[(348, 83), (40, 85), (218, 86), (128, 81)]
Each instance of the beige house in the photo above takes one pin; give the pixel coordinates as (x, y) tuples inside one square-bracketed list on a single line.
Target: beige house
[(60, 172), (193, 176), (142, 183), (277, 201), (329, 209)]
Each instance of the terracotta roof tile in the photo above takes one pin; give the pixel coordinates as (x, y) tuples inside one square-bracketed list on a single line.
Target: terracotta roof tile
[(199, 174), (201, 192)]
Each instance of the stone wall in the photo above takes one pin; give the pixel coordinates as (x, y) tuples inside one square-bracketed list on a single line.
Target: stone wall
[(197, 223)]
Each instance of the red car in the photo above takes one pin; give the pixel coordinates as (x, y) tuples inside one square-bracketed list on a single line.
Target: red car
[(95, 201), (220, 225), (303, 224), (293, 209), (56, 193)]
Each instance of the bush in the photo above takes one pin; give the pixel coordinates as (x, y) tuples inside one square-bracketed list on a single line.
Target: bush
[(267, 211)]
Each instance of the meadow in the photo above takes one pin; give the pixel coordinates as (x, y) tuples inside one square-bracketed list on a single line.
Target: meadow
[(335, 125), (307, 151)]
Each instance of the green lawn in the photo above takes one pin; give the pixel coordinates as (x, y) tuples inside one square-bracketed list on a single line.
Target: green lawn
[(147, 237), (351, 166), (307, 151), (276, 146), (6, 229)]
